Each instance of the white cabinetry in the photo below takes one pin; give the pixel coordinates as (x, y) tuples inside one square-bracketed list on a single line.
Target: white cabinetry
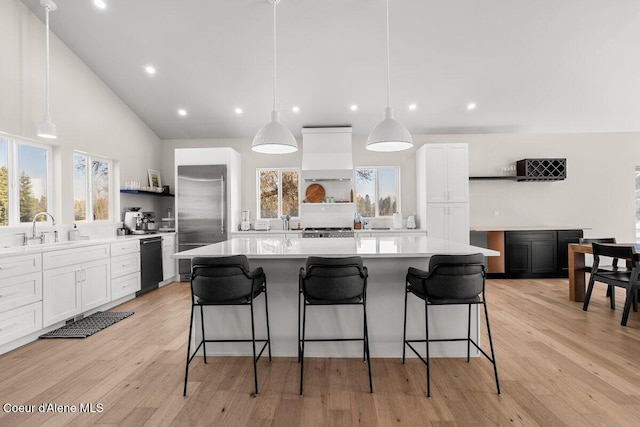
[(20, 296), (125, 268), (442, 173), (169, 269), (73, 281)]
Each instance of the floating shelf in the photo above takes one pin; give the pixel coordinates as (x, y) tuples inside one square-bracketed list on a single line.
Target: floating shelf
[(496, 178), (153, 193)]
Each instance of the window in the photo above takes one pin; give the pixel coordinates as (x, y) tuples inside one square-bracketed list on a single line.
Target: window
[(92, 188), (25, 180), (377, 191), (278, 192)]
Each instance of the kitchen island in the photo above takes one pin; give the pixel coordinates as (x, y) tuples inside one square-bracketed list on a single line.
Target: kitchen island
[(387, 259)]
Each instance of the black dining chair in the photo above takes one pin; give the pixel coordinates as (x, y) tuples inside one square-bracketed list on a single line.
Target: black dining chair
[(451, 280), (226, 281), (332, 281), (610, 266), (627, 279)]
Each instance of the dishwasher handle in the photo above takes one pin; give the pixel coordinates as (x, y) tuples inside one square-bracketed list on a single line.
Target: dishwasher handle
[(149, 241)]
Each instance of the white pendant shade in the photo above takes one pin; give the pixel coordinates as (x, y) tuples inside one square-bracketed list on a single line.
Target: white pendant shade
[(389, 135), (47, 129), (274, 138)]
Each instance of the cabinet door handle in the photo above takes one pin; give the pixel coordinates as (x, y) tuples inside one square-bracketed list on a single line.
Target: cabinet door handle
[(8, 267), (5, 328), (9, 294), (125, 265)]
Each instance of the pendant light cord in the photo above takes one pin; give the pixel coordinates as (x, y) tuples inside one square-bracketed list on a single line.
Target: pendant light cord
[(388, 61), (46, 95), (275, 2)]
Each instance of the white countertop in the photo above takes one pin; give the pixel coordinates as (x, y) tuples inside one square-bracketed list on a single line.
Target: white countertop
[(523, 228), (368, 247), (69, 244), (369, 230)]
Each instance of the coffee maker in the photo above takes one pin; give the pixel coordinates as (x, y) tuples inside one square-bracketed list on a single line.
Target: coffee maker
[(133, 221)]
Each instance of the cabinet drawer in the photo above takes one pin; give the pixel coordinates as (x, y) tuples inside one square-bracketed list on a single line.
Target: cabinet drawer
[(74, 256), (125, 264), (512, 236), (169, 240), (21, 290), (127, 247), (20, 321), (20, 265), (125, 285)]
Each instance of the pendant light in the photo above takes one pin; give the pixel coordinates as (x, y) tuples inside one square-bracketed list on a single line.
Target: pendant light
[(47, 129), (274, 137), (389, 134)]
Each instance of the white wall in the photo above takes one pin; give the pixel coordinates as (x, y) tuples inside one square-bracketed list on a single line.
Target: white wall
[(89, 116), (599, 192)]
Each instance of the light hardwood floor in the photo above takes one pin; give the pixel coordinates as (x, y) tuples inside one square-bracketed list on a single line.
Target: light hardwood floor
[(558, 365)]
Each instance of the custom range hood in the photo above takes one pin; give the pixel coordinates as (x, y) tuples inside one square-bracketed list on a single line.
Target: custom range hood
[(326, 154)]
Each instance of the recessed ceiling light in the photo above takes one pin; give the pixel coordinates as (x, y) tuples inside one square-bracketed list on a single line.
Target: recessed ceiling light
[(238, 110), (354, 108), (100, 4), (412, 107), (295, 109), (150, 69), (471, 106), (182, 112)]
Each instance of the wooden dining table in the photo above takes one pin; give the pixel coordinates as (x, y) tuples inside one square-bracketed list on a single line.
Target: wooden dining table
[(576, 267)]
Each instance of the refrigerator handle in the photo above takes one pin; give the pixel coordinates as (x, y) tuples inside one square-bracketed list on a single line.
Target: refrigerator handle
[(222, 207)]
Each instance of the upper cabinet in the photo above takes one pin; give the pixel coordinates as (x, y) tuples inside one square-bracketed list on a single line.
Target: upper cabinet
[(445, 172)]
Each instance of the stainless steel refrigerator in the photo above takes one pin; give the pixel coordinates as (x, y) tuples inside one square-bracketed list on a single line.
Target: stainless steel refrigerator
[(201, 209)]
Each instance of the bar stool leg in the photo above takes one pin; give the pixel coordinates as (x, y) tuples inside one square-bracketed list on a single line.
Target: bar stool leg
[(304, 319), (469, 334), (186, 373), (404, 328), (300, 296), (204, 344), (426, 327), (493, 355), (366, 345), (253, 346), (266, 309)]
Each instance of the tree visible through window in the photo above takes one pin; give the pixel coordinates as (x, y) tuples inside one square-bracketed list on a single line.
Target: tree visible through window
[(24, 188), (278, 192), (91, 188), (377, 191)]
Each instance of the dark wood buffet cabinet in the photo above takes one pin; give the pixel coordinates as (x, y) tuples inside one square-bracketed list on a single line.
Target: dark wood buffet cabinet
[(527, 253)]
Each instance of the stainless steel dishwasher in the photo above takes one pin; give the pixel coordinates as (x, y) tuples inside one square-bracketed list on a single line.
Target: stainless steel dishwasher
[(150, 264)]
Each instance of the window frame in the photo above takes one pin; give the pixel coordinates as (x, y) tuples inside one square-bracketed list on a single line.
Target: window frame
[(13, 177), (397, 170), (89, 187), (280, 171)]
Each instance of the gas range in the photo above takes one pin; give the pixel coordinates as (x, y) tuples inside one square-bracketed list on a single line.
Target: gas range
[(320, 232)]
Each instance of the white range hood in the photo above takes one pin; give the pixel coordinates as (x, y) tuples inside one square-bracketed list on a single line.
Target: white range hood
[(326, 153)]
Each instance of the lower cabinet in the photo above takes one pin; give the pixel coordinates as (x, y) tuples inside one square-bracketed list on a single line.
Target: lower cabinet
[(73, 289), (540, 253), (20, 321), (449, 221), (169, 270)]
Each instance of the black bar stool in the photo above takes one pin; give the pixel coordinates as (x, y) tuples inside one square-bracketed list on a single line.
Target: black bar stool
[(226, 281), (451, 280), (332, 281)]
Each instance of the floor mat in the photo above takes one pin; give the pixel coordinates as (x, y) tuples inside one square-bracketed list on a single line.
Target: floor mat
[(89, 325)]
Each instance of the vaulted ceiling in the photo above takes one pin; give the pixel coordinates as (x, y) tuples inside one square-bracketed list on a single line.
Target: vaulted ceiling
[(529, 66)]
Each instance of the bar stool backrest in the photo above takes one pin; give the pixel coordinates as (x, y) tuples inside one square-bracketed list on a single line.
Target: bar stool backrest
[(221, 278), (455, 276), (334, 279)]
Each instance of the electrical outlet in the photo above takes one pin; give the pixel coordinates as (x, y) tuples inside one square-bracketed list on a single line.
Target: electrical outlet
[(496, 214)]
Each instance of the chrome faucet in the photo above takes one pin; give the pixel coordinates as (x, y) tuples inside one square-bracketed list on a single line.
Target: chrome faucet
[(53, 222)]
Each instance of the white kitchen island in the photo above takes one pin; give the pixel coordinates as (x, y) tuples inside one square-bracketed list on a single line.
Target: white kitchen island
[(387, 259)]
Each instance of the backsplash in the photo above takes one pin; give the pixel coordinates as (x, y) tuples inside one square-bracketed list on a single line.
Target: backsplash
[(12, 236)]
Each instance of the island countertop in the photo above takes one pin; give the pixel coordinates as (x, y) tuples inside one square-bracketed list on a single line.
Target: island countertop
[(380, 246)]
